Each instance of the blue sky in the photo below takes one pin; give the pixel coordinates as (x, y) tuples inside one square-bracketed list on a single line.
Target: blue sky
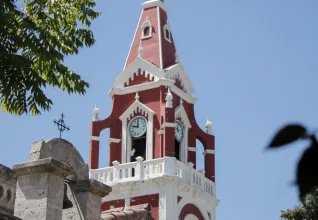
[(253, 65)]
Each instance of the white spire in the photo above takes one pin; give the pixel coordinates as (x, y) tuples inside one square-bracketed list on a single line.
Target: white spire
[(208, 126), (137, 96), (169, 99), (96, 113), (181, 102), (140, 50)]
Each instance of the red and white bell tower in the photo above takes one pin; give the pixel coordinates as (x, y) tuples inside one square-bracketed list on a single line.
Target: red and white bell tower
[(153, 131)]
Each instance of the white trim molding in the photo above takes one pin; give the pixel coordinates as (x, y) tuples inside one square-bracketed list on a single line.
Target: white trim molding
[(181, 113), (208, 151), (160, 37), (132, 43), (154, 3), (143, 26), (168, 125), (193, 149), (113, 140), (177, 72), (137, 106), (93, 138), (160, 132), (139, 63)]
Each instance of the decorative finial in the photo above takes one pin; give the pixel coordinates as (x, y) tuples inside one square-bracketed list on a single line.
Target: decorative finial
[(177, 58), (208, 126), (140, 50), (181, 102), (169, 99), (137, 96), (96, 113), (61, 126)]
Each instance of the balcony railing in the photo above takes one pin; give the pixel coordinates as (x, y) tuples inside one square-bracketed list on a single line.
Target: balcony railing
[(142, 170)]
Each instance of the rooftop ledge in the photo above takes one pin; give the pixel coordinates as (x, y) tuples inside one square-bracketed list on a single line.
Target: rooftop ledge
[(144, 170), (154, 3)]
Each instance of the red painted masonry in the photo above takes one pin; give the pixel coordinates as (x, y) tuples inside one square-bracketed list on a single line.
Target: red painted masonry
[(161, 53), (190, 209)]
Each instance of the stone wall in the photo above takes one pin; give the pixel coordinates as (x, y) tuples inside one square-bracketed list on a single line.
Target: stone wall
[(54, 184), (7, 191)]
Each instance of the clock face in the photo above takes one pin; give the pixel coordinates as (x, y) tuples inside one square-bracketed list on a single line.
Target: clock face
[(138, 126), (179, 131)]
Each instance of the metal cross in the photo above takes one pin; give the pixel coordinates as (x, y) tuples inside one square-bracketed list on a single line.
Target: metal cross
[(61, 126)]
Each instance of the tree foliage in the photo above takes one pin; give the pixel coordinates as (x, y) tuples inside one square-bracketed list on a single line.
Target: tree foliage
[(33, 44), (306, 175), (308, 210)]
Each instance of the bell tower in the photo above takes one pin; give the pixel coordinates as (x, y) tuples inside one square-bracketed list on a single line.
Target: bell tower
[(153, 131)]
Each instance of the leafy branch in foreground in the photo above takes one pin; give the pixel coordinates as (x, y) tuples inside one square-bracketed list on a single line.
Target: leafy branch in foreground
[(306, 175), (33, 44), (308, 210)]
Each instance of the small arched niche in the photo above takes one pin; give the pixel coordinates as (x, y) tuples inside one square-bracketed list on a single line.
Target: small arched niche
[(147, 29), (200, 156)]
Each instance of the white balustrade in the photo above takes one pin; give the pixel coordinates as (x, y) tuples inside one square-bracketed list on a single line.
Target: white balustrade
[(141, 170)]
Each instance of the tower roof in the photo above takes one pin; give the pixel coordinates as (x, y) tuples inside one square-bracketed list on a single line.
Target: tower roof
[(153, 38)]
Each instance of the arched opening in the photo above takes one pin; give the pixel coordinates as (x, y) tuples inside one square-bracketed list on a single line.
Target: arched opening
[(167, 34), (138, 147), (138, 133), (190, 210), (179, 139), (104, 151), (199, 156), (69, 181), (191, 217), (146, 31)]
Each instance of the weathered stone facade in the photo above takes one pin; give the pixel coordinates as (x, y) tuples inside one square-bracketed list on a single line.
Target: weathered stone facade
[(54, 184), (7, 193)]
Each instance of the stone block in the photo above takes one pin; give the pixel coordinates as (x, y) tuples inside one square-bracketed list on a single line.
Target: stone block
[(40, 189)]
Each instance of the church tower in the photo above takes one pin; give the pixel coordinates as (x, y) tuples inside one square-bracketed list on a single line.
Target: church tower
[(153, 131)]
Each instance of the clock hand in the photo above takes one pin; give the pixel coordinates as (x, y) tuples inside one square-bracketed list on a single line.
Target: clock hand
[(138, 124)]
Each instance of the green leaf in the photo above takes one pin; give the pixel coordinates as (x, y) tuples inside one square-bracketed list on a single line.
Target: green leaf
[(33, 44), (288, 134), (307, 170)]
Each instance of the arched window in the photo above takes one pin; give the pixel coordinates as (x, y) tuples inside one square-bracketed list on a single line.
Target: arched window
[(179, 137), (167, 34), (138, 133), (199, 156), (146, 29)]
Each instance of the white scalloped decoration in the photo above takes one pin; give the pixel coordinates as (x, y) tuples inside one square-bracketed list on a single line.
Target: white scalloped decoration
[(136, 107)]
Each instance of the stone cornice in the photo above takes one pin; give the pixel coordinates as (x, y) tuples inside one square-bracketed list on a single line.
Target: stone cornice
[(94, 187), (47, 165)]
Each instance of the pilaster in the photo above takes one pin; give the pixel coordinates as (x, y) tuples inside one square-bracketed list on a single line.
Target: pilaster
[(168, 203), (40, 188), (89, 194)]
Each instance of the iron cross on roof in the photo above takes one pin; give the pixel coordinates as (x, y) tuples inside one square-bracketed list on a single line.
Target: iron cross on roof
[(61, 126)]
